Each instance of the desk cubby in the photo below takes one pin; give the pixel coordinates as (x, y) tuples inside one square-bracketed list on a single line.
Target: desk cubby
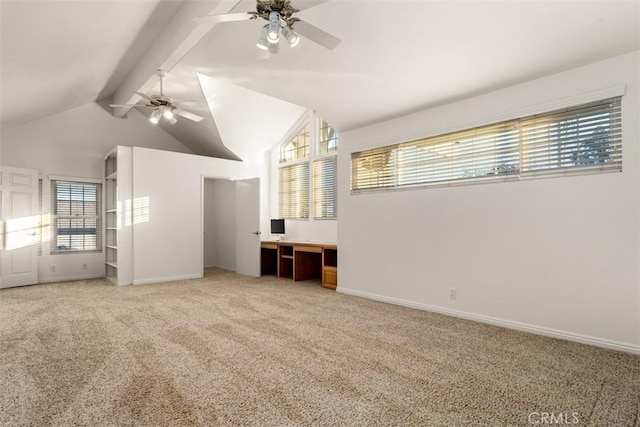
[(285, 261)]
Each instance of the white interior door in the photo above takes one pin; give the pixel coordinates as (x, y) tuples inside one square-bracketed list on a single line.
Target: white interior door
[(248, 227), (19, 256)]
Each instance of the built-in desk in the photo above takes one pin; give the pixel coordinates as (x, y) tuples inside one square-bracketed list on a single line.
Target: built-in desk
[(301, 261)]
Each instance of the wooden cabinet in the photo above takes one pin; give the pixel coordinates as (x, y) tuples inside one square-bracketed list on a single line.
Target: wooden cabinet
[(301, 261), (330, 267)]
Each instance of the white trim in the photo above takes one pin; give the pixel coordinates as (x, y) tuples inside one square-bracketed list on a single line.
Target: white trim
[(167, 279), (524, 327), (74, 179), (230, 270), (70, 278)]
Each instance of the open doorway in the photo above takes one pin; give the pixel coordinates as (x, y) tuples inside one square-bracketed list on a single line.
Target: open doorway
[(231, 224), (219, 217)]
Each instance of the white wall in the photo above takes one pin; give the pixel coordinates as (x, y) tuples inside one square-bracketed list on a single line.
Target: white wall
[(167, 240), (555, 256), (74, 143), (219, 223)]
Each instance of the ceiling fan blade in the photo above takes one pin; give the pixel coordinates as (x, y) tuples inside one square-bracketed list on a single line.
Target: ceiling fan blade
[(147, 97), (227, 17), (315, 34), (124, 105), (188, 115)]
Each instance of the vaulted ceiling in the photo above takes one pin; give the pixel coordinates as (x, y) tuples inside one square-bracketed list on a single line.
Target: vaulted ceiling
[(396, 56)]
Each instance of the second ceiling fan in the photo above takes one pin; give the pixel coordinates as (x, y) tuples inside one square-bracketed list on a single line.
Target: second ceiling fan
[(164, 108), (279, 14)]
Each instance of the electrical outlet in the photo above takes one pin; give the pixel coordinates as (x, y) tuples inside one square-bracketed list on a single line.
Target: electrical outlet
[(84, 266), (453, 294), (53, 268)]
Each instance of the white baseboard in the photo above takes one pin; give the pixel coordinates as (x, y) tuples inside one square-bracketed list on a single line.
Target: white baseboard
[(70, 278), (538, 330), (232, 270), (167, 279)]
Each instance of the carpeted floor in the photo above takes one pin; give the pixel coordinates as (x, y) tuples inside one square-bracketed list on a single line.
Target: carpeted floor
[(233, 350)]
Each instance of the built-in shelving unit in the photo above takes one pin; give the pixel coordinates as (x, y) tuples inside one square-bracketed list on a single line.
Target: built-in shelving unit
[(111, 216), (117, 230)]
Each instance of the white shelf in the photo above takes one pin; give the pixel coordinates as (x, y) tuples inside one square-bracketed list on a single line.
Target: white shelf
[(117, 175)]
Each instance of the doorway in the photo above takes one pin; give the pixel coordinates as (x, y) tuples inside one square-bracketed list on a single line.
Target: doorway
[(219, 218), (231, 224)]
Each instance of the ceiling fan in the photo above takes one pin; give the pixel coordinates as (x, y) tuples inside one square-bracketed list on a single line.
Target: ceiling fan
[(164, 108), (279, 14)]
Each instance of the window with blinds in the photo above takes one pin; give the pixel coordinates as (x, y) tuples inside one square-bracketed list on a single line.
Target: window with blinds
[(582, 139), (294, 191), (325, 187), (76, 221)]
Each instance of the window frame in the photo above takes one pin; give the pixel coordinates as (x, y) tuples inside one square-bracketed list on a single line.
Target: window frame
[(492, 154), (313, 122), (55, 217)]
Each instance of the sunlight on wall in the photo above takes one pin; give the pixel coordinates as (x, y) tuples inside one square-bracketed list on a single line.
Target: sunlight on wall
[(138, 213), (140, 210), (22, 232)]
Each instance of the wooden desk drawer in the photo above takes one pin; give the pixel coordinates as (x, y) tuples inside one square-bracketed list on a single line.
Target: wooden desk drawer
[(269, 245), (330, 277), (316, 249)]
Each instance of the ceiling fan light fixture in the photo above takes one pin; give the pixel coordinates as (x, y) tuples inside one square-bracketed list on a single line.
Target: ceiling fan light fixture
[(274, 26), (155, 116), (263, 42), (168, 113), (292, 38)]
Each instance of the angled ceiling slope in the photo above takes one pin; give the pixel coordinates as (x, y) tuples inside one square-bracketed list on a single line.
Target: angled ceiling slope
[(249, 122)]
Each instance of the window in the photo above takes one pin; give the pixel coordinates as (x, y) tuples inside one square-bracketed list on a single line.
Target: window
[(328, 138), (294, 191), (582, 139), (325, 187), (75, 207), (297, 148), (308, 167)]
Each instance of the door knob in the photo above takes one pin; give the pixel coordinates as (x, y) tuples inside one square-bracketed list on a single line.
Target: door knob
[(256, 233)]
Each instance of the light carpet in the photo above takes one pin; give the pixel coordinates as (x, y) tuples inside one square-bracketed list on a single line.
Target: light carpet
[(233, 350)]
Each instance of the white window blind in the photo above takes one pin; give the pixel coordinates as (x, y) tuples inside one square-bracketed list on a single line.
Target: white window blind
[(75, 208), (581, 139), (294, 191), (325, 189)]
